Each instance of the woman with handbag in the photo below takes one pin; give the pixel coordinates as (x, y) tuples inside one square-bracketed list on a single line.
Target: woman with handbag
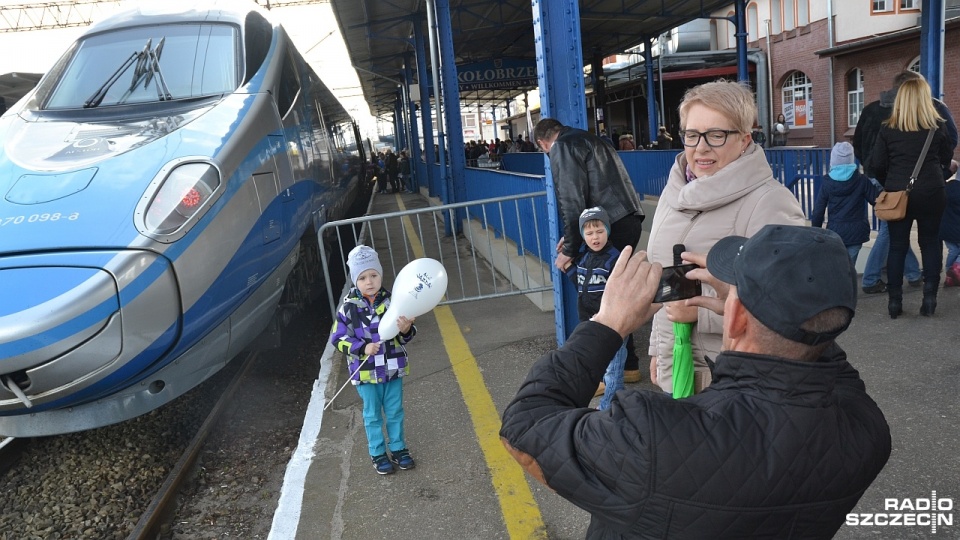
[(911, 150)]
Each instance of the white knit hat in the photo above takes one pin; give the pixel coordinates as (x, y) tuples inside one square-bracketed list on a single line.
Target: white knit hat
[(362, 258)]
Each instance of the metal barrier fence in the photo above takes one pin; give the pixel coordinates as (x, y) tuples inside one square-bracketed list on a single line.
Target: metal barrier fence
[(483, 245), (799, 169)]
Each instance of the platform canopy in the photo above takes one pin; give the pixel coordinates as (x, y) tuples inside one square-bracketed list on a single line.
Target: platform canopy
[(490, 32)]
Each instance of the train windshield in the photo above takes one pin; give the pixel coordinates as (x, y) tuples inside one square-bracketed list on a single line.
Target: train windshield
[(149, 64)]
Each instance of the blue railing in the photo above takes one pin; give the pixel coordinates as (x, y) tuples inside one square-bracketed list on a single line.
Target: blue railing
[(799, 169)]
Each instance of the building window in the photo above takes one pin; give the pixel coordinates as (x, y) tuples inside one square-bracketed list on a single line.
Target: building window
[(803, 12), (731, 31), (798, 100), (915, 65), (881, 6), (854, 96), (909, 4), (753, 23), (776, 19), (469, 120), (788, 12)]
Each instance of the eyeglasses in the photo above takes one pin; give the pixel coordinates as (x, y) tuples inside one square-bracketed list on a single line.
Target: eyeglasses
[(714, 137)]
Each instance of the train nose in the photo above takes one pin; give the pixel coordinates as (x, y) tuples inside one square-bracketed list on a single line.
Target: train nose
[(65, 328)]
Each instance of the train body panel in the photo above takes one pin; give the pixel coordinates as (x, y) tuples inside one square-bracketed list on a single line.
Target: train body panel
[(144, 244)]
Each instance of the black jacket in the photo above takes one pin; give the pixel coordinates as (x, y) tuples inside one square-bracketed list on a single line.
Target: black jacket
[(587, 172), (871, 120), (772, 449), (896, 152)]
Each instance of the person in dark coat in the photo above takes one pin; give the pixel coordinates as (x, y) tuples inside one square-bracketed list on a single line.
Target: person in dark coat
[(846, 192), (894, 156), (783, 443), (950, 233)]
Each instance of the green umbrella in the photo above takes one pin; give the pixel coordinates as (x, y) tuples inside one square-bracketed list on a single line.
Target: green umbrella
[(682, 360), (682, 348)]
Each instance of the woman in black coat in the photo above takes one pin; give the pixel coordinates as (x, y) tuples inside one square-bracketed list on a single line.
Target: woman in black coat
[(894, 157)]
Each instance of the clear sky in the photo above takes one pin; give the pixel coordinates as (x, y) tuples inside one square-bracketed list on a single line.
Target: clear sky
[(313, 28)]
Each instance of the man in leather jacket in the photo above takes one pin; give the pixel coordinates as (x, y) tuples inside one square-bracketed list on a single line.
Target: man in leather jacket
[(783, 443), (587, 172)]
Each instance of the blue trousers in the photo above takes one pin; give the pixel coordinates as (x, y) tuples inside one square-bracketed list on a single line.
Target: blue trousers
[(878, 258), (613, 378), (953, 252), (853, 250), (383, 403)]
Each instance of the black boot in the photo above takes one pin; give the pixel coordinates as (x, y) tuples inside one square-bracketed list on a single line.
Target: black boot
[(929, 304), (894, 301)]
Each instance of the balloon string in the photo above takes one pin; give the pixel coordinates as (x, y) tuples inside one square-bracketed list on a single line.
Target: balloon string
[(350, 378)]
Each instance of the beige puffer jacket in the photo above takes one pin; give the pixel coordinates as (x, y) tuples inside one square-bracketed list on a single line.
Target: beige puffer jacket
[(738, 200)]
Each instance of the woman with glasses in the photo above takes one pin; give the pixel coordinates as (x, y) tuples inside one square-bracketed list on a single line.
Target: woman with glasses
[(721, 185)]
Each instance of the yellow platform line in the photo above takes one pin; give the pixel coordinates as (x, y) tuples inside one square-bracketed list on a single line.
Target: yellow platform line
[(521, 514)]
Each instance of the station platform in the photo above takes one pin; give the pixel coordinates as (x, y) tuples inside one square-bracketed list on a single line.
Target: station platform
[(467, 361)]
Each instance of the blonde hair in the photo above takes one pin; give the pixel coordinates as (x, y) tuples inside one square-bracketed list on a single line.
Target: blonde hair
[(913, 109), (733, 100)]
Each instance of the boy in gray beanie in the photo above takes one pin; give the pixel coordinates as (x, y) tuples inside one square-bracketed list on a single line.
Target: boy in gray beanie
[(376, 367), (589, 272)]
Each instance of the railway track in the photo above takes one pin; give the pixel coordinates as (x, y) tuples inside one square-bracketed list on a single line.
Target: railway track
[(161, 507)]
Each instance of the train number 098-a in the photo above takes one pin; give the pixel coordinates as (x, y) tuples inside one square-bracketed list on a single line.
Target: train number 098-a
[(39, 218)]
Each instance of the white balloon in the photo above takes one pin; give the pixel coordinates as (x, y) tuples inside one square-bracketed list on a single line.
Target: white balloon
[(418, 288), (781, 128)]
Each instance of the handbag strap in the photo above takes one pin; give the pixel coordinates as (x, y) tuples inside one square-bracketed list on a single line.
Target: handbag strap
[(923, 154)]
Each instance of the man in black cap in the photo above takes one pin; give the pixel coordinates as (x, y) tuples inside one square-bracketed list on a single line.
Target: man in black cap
[(783, 443)]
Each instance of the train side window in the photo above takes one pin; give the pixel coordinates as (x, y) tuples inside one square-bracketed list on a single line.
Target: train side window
[(257, 38), (289, 85)]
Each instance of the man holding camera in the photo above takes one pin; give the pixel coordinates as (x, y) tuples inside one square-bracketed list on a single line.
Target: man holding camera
[(783, 443)]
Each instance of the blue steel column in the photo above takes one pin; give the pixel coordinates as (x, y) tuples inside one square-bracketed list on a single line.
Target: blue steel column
[(652, 122), (430, 157), (399, 129), (931, 44), (416, 168), (556, 38), (740, 23), (451, 106), (440, 188)]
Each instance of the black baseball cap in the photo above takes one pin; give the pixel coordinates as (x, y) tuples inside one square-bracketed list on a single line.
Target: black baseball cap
[(786, 274)]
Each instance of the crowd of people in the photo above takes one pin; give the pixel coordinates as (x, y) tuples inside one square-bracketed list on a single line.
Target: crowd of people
[(776, 293)]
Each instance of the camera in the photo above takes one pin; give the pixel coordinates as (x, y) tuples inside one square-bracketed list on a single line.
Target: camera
[(674, 284)]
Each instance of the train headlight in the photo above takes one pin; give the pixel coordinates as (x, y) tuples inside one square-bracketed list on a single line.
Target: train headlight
[(182, 191)]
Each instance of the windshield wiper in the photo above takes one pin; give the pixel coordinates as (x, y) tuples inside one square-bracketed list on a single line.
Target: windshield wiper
[(101, 92), (148, 63)]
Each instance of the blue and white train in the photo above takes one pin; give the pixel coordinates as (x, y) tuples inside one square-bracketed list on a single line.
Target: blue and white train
[(161, 190)]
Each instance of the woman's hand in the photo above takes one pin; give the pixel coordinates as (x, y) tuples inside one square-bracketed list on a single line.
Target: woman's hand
[(680, 312), (404, 324), (372, 348), (653, 369)]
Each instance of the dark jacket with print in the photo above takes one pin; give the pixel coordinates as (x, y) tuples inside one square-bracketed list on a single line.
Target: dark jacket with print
[(590, 272), (772, 449), (357, 324)]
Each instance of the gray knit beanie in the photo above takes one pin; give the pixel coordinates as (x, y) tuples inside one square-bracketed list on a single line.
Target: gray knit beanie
[(362, 258)]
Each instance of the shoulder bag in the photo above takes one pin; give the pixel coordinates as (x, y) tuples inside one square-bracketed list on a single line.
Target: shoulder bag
[(892, 205)]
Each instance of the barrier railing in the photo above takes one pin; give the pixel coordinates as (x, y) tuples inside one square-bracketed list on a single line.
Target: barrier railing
[(492, 255)]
